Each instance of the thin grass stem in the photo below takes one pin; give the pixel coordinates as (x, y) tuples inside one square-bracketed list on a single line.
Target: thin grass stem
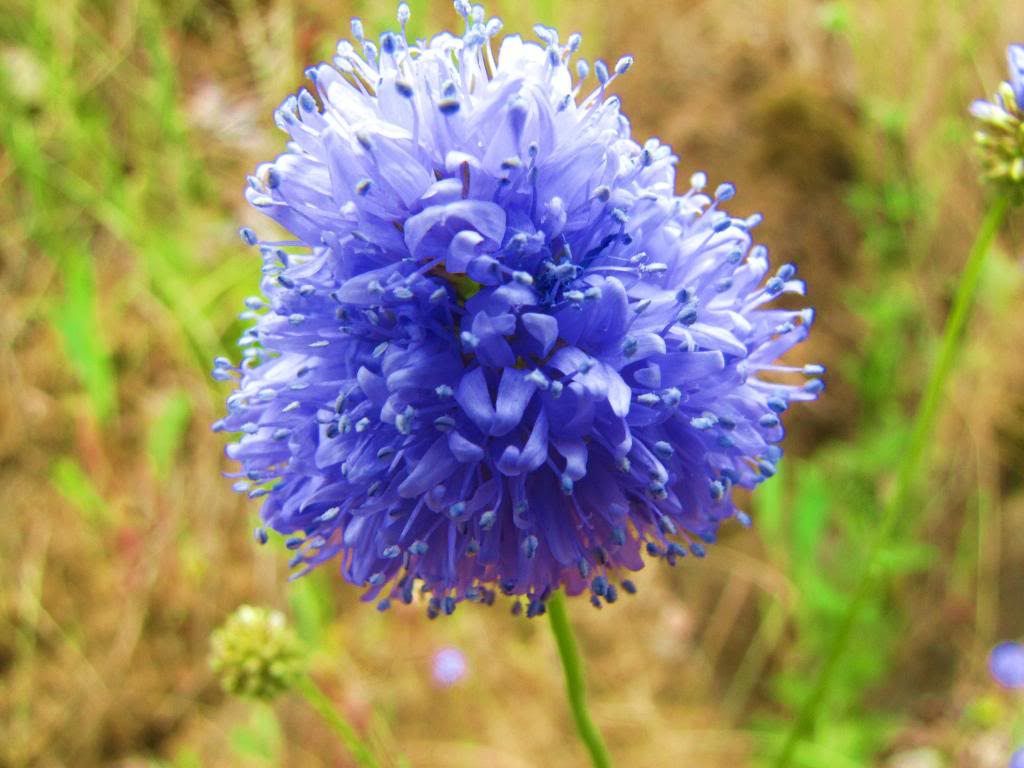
[(324, 707), (909, 469)]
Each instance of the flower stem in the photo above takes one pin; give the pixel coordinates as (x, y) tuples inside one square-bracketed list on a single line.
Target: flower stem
[(896, 508), (319, 701), (575, 681)]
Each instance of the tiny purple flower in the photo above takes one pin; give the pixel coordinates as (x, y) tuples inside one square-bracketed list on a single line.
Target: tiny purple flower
[(498, 352), (448, 667), (1017, 759), (1006, 663)]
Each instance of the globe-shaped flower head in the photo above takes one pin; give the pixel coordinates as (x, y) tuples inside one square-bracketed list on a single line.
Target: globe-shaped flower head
[(1000, 132), (500, 352)]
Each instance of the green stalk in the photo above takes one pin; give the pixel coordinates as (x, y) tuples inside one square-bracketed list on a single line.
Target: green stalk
[(909, 468), (325, 708), (575, 681)]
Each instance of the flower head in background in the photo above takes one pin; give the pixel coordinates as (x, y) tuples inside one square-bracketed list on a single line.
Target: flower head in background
[(1017, 759), (1006, 663), (255, 654), (1000, 133), (448, 667), (499, 352)]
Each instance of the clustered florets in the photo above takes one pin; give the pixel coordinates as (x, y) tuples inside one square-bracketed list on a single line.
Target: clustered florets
[(255, 654), (1000, 133), (500, 352)]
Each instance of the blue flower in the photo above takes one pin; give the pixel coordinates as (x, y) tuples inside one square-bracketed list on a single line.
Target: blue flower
[(1006, 663), (499, 352), (1000, 134), (1017, 759)]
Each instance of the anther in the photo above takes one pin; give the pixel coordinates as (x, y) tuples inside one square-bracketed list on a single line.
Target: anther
[(419, 547)]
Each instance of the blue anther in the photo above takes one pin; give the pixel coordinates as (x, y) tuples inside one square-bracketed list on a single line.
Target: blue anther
[(530, 545), (306, 101), (725, 192), (419, 547), (716, 489), (488, 519), (663, 450)]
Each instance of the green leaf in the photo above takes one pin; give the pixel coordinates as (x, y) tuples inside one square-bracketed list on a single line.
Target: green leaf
[(310, 602), (260, 739), (77, 320), (810, 513), (769, 502), (75, 485), (167, 432)]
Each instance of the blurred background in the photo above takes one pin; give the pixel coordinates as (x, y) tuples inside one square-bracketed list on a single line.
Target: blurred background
[(126, 131)]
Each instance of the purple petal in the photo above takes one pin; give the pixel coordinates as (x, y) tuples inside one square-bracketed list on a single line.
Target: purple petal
[(475, 399), (1015, 60), (514, 394), (438, 225), (575, 453), (463, 249), (543, 328), (516, 461), (435, 465), (462, 449)]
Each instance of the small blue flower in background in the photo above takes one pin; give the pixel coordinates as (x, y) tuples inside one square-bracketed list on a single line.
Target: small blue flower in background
[(1017, 759), (1006, 663), (1000, 134), (448, 667), (499, 352)]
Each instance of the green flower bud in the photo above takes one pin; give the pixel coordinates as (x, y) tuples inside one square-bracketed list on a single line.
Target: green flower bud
[(255, 654)]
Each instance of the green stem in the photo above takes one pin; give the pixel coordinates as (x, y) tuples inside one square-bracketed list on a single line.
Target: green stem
[(895, 510), (575, 681), (319, 701)]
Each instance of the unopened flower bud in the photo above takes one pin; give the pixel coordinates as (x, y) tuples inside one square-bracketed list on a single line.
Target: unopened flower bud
[(255, 654)]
